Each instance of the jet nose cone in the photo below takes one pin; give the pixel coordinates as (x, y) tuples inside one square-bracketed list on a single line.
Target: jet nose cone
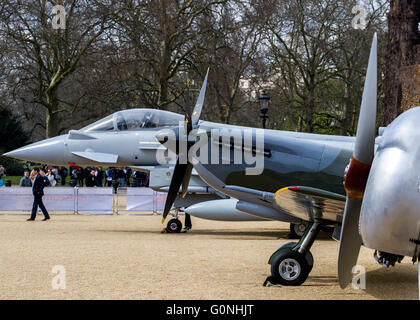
[(11, 154), (50, 151)]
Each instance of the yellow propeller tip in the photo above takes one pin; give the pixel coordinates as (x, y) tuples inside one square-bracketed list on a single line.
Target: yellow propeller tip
[(163, 220)]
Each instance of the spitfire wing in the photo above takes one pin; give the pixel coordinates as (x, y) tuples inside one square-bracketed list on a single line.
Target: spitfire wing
[(308, 203), (301, 202)]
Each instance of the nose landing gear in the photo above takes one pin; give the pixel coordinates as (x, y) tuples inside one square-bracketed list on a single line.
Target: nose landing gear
[(175, 225)]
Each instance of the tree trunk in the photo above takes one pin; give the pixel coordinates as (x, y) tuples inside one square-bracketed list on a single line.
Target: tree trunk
[(51, 120), (51, 124), (348, 111), (403, 50), (163, 74), (311, 106)]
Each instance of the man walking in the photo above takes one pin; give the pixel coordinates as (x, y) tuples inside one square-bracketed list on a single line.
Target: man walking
[(40, 182)]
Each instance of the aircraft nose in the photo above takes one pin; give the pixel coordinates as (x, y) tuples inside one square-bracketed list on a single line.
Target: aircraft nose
[(49, 151)]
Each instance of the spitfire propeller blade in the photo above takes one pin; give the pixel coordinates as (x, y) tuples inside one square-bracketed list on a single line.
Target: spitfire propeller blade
[(200, 101), (358, 173), (177, 177), (188, 170), (182, 172)]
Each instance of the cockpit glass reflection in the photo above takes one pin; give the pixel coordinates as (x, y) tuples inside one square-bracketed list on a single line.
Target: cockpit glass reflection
[(105, 124), (135, 119)]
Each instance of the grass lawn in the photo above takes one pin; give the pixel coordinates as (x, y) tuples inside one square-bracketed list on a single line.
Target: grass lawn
[(15, 179)]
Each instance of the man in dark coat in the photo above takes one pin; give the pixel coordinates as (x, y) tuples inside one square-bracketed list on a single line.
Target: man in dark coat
[(40, 181), (91, 179), (63, 174)]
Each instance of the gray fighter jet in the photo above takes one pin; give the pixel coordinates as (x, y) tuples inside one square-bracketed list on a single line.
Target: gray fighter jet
[(375, 204), (123, 139), (127, 139)]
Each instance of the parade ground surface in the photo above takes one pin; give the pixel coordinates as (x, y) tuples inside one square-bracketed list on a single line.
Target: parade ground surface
[(126, 257)]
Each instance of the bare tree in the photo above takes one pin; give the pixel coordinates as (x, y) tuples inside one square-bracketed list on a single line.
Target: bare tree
[(44, 58), (161, 36), (230, 42)]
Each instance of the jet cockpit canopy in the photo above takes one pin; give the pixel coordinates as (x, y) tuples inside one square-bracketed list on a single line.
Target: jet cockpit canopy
[(135, 119)]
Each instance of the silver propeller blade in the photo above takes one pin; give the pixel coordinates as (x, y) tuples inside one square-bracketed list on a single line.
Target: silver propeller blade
[(200, 101), (366, 126), (350, 240)]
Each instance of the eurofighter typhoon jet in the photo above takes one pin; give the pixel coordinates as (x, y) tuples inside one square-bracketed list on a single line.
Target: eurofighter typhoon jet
[(127, 139)]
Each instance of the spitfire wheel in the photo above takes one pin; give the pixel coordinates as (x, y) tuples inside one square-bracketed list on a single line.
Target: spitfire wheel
[(174, 226), (290, 268), (308, 255), (297, 230)]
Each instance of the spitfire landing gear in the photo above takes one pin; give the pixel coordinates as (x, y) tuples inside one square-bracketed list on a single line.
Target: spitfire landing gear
[(292, 262), (297, 230)]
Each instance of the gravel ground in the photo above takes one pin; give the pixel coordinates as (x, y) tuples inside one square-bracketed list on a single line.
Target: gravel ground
[(126, 257)]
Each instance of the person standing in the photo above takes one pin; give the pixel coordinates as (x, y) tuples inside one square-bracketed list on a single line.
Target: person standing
[(80, 176), (51, 178), (99, 177), (127, 176), (2, 173), (109, 173), (63, 174), (91, 179), (40, 181), (25, 181)]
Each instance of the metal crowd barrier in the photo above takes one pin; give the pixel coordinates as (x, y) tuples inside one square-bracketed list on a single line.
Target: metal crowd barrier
[(15, 200)]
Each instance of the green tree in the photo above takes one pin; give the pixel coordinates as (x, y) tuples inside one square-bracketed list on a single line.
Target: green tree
[(12, 135)]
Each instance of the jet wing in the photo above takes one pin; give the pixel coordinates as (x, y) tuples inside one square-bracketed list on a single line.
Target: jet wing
[(98, 156)]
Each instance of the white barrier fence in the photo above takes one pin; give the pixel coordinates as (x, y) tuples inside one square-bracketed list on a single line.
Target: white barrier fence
[(84, 200)]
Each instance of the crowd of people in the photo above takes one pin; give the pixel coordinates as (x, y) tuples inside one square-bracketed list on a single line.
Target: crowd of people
[(89, 177)]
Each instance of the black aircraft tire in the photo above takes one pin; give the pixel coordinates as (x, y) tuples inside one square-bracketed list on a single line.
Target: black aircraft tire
[(290, 268), (174, 226), (308, 255)]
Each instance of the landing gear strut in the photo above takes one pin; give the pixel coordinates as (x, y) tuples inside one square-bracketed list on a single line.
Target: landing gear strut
[(292, 262)]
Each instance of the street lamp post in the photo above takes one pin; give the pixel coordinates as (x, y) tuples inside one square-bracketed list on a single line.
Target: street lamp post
[(264, 100)]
